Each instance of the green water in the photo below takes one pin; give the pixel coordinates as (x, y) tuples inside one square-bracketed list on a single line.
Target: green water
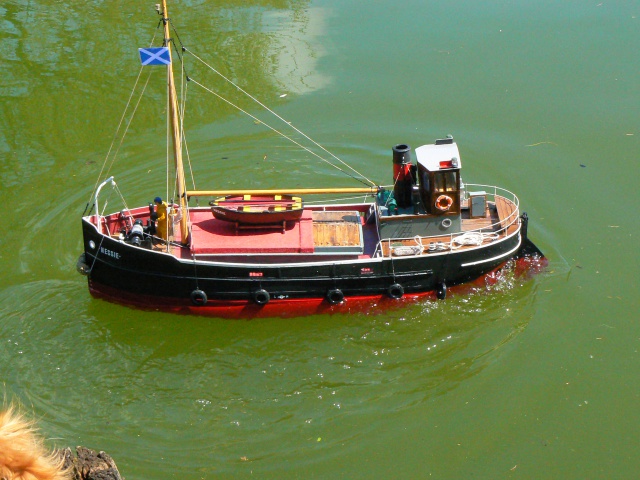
[(528, 379)]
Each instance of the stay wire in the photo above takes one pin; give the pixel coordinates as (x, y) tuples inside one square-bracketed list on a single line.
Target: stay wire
[(113, 159), (180, 57), (183, 94), (115, 136), (278, 132), (371, 183), (184, 86)]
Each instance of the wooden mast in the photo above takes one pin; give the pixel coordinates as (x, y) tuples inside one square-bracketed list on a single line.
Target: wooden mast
[(183, 194), (176, 133)]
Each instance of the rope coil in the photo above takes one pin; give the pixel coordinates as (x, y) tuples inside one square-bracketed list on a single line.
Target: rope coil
[(407, 250), (473, 239)]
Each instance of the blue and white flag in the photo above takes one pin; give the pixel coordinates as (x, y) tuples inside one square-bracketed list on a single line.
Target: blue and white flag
[(154, 56)]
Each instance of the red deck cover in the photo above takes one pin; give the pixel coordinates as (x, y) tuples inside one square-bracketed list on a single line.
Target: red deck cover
[(212, 236)]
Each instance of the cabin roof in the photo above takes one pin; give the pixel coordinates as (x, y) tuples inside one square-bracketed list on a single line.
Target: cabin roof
[(430, 156)]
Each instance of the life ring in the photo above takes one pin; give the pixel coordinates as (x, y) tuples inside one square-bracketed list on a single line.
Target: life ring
[(444, 202), (395, 291), (335, 296), (261, 296), (446, 223), (198, 297)]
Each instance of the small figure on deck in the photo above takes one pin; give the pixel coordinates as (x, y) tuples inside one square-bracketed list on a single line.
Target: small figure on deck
[(161, 218)]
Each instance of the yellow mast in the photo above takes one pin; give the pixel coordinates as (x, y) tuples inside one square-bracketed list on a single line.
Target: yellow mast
[(176, 133), (183, 194)]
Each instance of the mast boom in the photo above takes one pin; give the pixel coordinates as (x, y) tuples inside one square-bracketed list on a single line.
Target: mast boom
[(285, 191)]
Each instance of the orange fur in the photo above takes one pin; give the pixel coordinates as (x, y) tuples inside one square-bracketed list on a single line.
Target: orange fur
[(23, 455)]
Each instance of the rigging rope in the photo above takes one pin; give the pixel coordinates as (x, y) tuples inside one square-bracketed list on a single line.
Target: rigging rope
[(166, 197), (279, 133), (341, 199), (371, 183), (181, 113), (115, 136)]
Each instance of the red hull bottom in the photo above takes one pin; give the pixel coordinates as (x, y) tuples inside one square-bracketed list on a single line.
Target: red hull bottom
[(288, 308)]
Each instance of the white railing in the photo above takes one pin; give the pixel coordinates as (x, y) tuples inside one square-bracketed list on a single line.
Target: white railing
[(95, 200), (494, 191), (492, 231)]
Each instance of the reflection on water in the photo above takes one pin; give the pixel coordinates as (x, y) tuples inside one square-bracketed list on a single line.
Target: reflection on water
[(52, 96), (296, 49), (201, 398), (218, 392)]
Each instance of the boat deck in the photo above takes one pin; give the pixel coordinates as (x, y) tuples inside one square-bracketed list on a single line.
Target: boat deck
[(211, 236), (338, 232), (501, 219), (335, 232)]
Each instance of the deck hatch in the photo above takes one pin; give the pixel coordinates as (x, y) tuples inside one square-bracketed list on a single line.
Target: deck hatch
[(337, 232)]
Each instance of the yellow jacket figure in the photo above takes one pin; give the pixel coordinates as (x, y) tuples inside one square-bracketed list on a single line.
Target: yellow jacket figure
[(161, 212)]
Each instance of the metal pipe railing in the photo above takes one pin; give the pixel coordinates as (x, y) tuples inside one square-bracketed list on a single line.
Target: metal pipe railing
[(500, 227), (95, 199)]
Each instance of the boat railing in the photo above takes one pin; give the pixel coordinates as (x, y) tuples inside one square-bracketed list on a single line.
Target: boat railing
[(493, 231), (495, 194), (95, 200)]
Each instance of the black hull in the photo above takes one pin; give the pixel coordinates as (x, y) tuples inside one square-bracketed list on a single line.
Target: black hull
[(136, 271)]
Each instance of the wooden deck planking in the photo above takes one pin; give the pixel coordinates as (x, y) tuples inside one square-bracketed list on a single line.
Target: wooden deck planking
[(340, 228), (493, 221), (330, 234), (336, 228), (506, 216)]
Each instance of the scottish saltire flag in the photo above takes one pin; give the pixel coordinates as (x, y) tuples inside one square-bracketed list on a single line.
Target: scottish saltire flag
[(155, 56)]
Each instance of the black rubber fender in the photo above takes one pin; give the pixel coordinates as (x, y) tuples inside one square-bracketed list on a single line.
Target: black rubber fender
[(261, 296), (395, 291), (81, 265), (198, 297), (335, 296)]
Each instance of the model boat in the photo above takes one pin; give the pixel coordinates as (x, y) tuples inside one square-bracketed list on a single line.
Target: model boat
[(265, 251)]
